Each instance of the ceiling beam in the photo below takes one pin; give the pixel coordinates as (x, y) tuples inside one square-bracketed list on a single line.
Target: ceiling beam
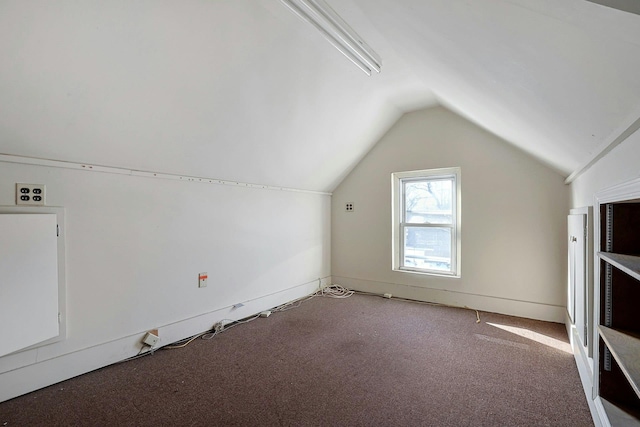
[(603, 150)]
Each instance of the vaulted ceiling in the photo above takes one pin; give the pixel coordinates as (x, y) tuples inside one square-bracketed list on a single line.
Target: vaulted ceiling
[(245, 90)]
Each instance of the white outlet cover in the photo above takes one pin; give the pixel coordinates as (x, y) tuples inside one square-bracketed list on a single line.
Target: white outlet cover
[(30, 194)]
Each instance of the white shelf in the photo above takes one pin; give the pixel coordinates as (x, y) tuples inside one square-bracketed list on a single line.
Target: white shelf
[(618, 417), (628, 263), (625, 349)]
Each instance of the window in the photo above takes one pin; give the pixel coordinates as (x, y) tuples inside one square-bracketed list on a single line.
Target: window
[(426, 221)]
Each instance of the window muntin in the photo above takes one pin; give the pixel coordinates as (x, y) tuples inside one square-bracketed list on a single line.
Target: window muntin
[(427, 221)]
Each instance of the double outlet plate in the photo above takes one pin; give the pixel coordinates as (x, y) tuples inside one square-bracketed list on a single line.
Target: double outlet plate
[(30, 194)]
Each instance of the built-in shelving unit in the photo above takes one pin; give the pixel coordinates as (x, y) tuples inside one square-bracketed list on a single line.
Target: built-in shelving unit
[(618, 417), (628, 263), (619, 315), (625, 349)]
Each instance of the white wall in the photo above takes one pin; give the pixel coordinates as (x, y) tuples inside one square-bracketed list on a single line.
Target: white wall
[(619, 165), (135, 246), (513, 220)]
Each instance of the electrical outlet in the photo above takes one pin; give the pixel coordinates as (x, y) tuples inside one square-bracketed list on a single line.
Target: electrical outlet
[(30, 194), (151, 338), (202, 280), (349, 207)]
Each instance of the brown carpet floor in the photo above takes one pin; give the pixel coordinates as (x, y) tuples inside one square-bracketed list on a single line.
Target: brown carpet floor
[(360, 361)]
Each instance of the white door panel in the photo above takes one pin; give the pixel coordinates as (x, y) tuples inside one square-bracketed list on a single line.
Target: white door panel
[(577, 301), (28, 280)]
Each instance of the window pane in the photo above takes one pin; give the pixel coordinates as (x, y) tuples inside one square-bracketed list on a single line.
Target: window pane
[(428, 201), (428, 248)]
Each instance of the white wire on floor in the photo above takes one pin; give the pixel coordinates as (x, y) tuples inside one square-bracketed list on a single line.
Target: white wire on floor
[(333, 291), (437, 304)]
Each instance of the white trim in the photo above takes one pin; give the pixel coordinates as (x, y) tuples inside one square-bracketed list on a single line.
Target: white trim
[(10, 158), (603, 418), (585, 370), (620, 135), (628, 190), (23, 379)]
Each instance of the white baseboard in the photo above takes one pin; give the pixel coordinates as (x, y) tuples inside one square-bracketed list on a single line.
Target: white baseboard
[(531, 310), (602, 420), (27, 375)]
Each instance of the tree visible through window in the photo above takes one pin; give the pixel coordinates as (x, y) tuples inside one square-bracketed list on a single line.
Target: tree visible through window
[(426, 221)]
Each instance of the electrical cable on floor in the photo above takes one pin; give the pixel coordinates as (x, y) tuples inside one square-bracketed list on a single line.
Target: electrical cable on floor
[(189, 341), (221, 327), (218, 328), (137, 356), (292, 304), (336, 291), (437, 304), (332, 291)]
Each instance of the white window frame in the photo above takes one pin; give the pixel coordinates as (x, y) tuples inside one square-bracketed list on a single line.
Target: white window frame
[(399, 224)]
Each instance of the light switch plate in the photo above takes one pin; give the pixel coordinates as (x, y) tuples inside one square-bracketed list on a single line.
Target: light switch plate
[(202, 280), (30, 194)]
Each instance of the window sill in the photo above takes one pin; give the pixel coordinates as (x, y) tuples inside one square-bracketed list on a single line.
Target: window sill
[(428, 273)]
